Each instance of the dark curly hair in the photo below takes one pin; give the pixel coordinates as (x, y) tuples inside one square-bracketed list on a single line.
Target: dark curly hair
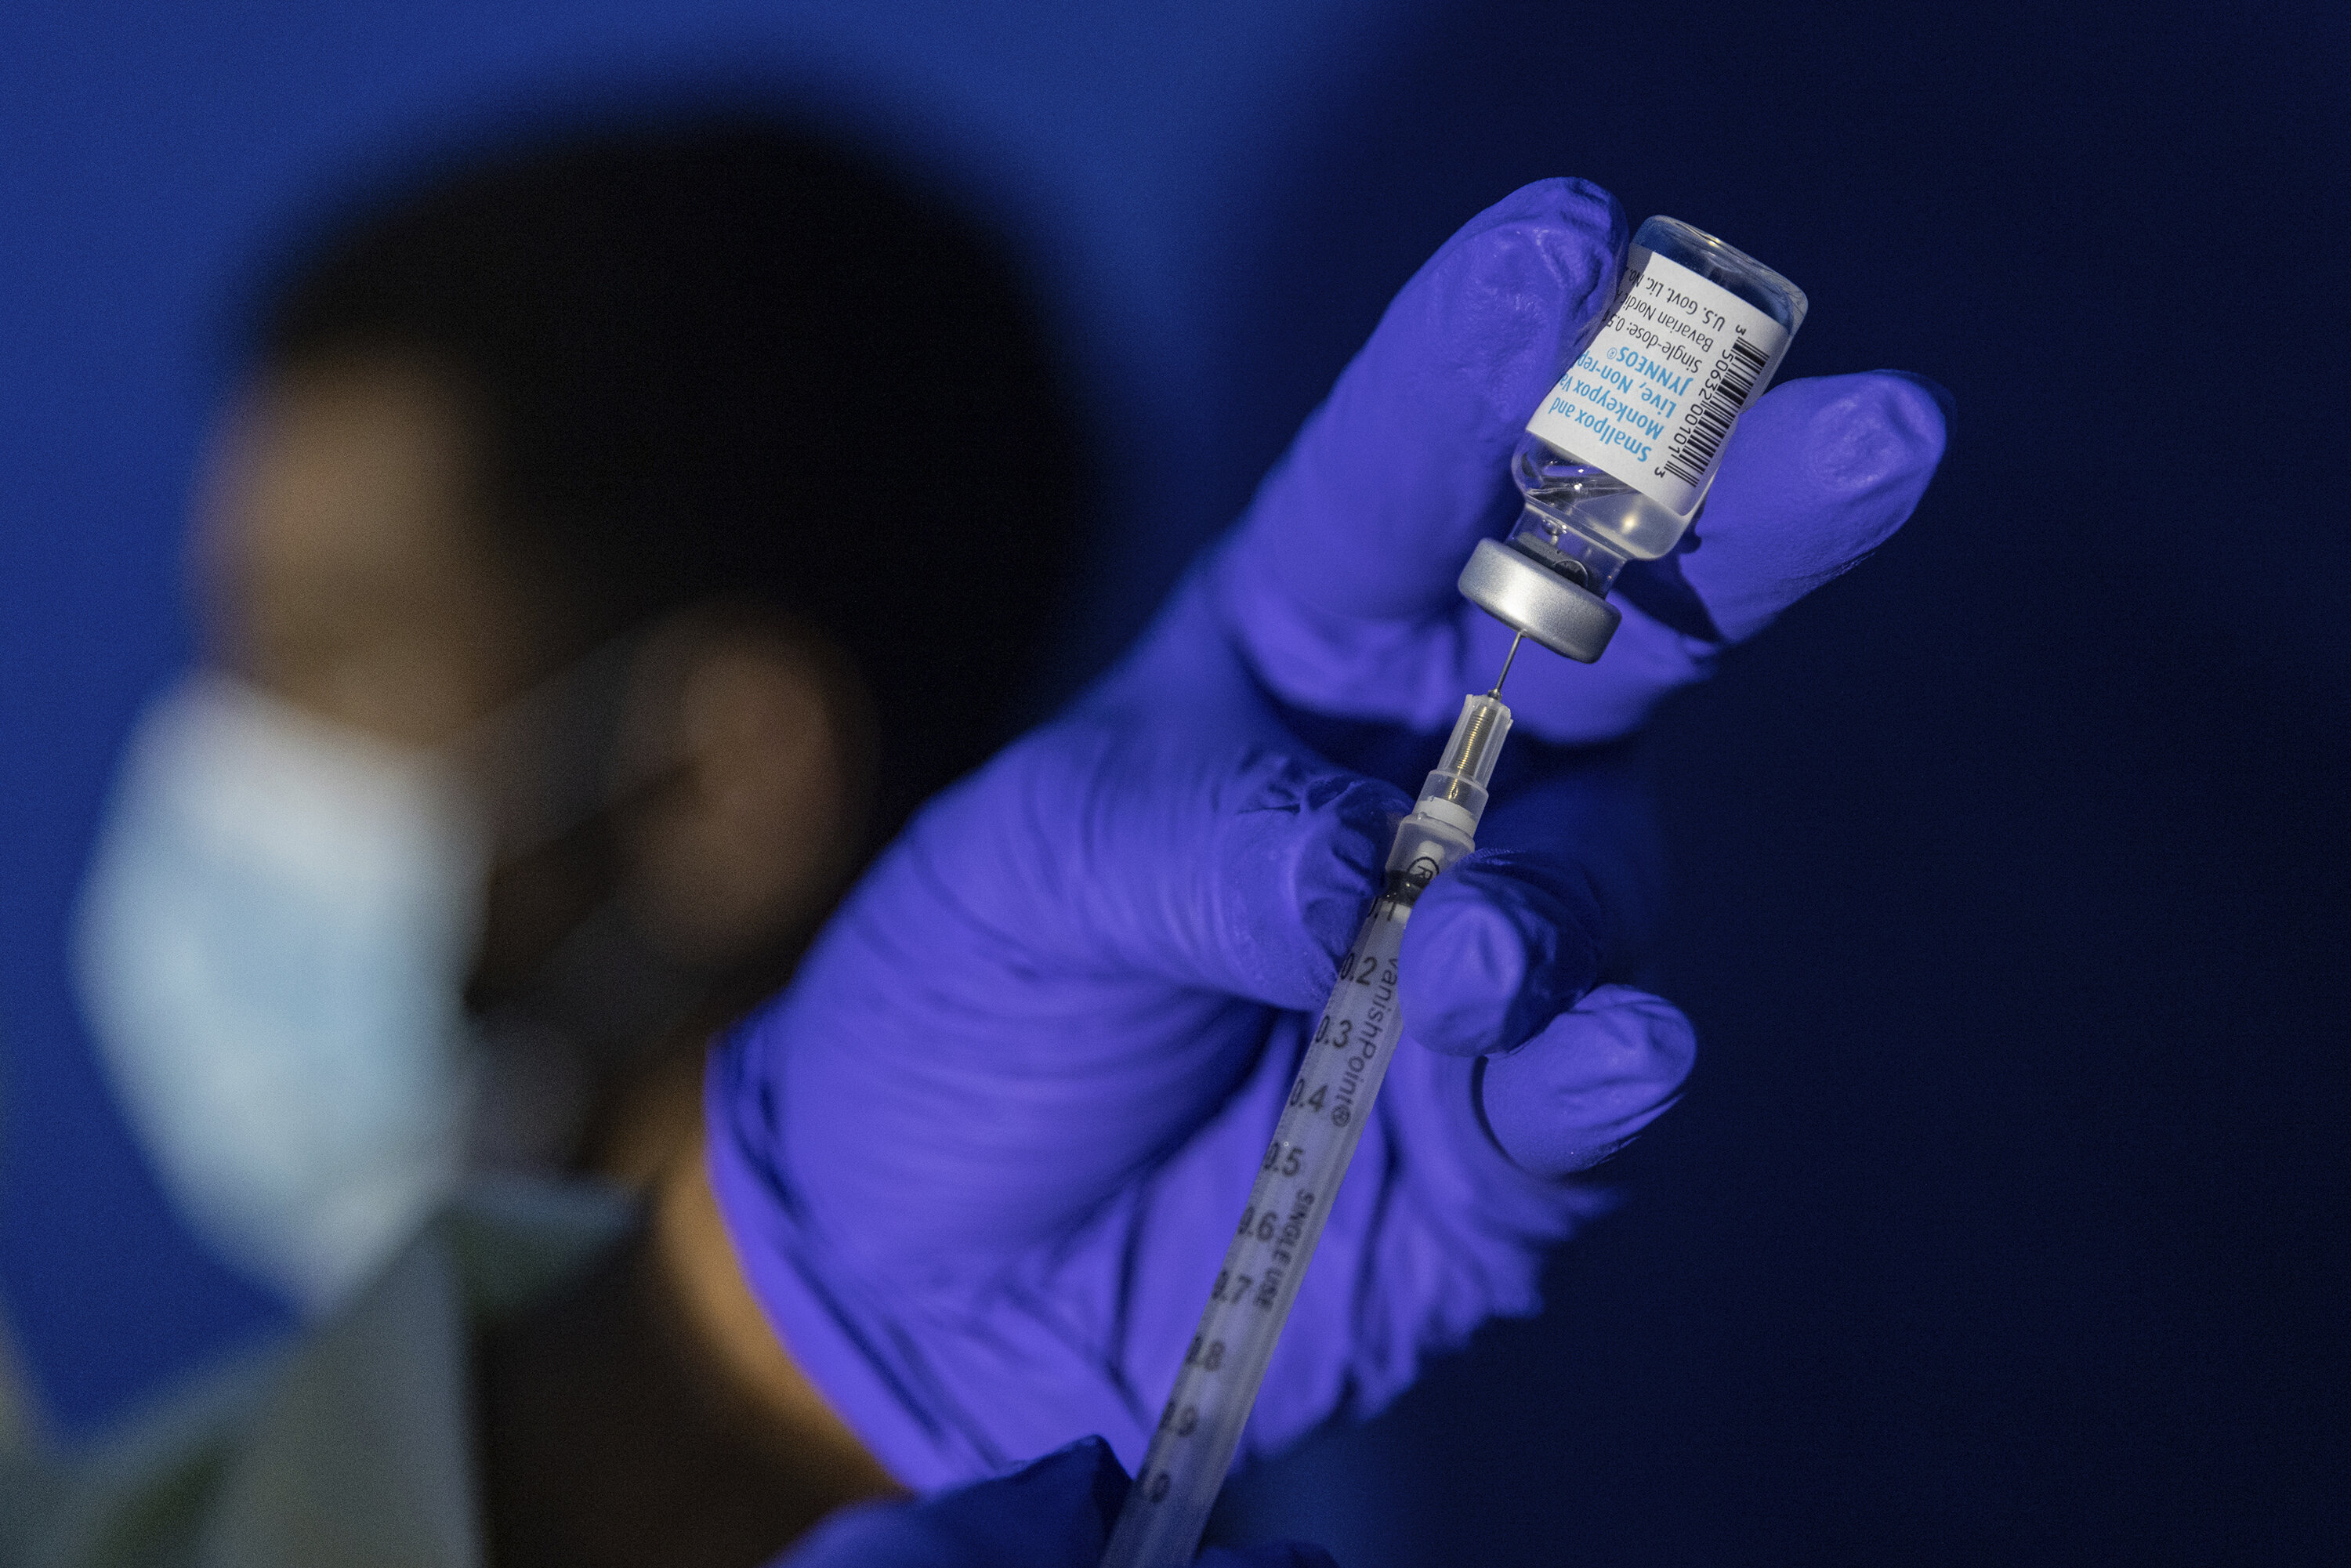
[(727, 361)]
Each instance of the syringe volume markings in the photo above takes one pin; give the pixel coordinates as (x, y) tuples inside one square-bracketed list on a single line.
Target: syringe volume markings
[(1283, 1156), (1330, 1100), (1292, 1231)]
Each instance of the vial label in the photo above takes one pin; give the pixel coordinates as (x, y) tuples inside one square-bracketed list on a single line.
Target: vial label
[(1653, 399)]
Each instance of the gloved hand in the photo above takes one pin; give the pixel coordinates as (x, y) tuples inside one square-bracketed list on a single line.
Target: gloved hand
[(981, 1161), (1055, 1513)]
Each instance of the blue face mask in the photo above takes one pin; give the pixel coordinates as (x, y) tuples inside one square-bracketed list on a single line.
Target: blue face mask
[(271, 946)]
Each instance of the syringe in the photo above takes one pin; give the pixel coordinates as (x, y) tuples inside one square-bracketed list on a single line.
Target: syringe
[(1328, 1103), (1586, 519)]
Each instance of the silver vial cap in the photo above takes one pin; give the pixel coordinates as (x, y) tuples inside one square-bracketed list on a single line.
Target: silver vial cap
[(1528, 596)]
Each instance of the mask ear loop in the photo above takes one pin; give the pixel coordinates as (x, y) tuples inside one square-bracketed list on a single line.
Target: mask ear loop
[(545, 763), (552, 758)]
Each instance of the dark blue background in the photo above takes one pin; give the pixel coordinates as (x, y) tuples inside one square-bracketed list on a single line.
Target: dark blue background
[(2005, 1217)]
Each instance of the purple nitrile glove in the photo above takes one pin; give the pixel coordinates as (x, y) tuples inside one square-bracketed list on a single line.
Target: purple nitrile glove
[(981, 1161), (1054, 1513)]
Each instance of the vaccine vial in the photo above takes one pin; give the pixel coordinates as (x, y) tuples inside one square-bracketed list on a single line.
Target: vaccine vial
[(1617, 461)]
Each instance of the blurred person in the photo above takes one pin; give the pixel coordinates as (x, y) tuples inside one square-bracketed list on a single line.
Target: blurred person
[(572, 618), (571, 635)]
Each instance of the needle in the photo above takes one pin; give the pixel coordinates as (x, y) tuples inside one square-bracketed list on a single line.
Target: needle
[(1506, 665)]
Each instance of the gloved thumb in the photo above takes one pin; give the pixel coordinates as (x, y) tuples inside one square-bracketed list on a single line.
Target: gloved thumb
[(1049, 977), (1095, 850)]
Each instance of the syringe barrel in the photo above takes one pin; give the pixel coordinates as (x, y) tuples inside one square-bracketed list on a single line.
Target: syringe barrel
[(1339, 1072)]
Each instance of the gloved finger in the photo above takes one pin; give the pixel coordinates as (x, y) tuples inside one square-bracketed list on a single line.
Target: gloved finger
[(1394, 479), (1100, 849), (1819, 474), (1495, 949), (1054, 1512), (1580, 1089)]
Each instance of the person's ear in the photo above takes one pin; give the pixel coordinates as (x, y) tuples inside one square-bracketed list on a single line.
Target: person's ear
[(759, 732)]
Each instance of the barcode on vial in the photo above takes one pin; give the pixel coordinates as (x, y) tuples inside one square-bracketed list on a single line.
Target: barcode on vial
[(1710, 420)]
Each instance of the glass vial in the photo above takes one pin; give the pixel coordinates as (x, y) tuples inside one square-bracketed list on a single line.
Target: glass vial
[(1619, 459)]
